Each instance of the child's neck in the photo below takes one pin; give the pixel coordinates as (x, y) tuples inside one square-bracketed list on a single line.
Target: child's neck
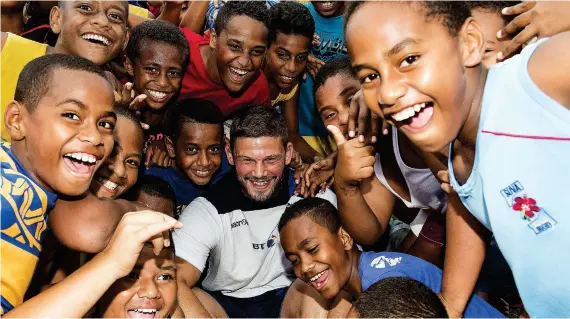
[(354, 286), (209, 59), (468, 133)]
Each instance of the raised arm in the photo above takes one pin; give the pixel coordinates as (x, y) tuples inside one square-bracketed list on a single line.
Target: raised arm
[(291, 119), (88, 223), (464, 256), (70, 298), (195, 16)]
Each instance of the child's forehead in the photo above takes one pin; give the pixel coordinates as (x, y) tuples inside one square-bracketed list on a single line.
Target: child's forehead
[(196, 129)]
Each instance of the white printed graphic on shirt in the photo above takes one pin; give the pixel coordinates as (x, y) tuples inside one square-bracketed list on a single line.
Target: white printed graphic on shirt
[(380, 262)]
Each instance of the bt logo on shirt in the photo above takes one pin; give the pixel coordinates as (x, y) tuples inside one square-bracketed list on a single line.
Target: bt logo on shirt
[(270, 243)]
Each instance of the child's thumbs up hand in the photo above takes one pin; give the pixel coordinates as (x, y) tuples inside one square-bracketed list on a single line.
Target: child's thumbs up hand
[(355, 160), (132, 232)]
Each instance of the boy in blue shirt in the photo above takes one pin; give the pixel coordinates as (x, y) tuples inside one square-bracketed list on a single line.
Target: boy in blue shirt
[(328, 17), (60, 137), (196, 146), (323, 255)]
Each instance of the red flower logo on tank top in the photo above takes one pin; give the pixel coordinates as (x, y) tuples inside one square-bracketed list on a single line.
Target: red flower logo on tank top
[(526, 206)]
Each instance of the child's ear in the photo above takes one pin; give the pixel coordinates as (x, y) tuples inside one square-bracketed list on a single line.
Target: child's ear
[(55, 19), (13, 119), (169, 147), (129, 66), (288, 153), (472, 43), (213, 39), (347, 241), (228, 150), (127, 37)]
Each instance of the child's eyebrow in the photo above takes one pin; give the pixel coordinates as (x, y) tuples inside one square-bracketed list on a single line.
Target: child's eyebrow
[(73, 101), (400, 46), (305, 242), (172, 268), (347, 90), (120, 8)]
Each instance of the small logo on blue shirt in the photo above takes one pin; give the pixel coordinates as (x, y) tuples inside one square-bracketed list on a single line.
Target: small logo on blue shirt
[(383, 262), (510, 191)]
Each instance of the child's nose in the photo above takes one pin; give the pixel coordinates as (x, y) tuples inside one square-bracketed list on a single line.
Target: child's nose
[(148, 289), (391, 89)]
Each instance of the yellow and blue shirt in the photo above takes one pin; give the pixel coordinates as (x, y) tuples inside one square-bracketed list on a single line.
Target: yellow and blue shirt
[(25, 205)]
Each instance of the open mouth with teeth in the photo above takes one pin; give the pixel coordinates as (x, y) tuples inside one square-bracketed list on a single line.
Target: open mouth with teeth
[(202, 173), (416, 116), (97, 39), (326, 5), (142, 313), (319, 280), (286, 79), (261, 184), (80, 164), (158, 96), (107, 184), (237, 75)]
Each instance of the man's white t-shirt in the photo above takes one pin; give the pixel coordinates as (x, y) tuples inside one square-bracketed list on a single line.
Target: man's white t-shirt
[(240, 236)]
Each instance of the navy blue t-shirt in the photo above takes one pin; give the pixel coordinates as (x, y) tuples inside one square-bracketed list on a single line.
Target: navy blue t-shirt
[(184, 189), (374, 267)]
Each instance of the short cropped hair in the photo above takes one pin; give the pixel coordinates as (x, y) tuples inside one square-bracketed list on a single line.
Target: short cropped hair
[(156, 187), (290, 17), (128, 114), (258, 121), (35, 80), (63, 3), (256, 10), (153, 31), (194, 111), (399, 297), (493, 7), (319, 210), (330, 69), (452, 14)]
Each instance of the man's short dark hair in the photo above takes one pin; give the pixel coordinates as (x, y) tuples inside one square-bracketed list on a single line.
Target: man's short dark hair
[(194, 111), (399, 297), (256, 10), (156, 187), (37, 76), (330, 69), (258, 121), (153, 31), (319, 210), (290, 17), (452, 14)]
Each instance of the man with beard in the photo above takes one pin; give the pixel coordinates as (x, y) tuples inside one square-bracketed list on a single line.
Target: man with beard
[(233, 226)]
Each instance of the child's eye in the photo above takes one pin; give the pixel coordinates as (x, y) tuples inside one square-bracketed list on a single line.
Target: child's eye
[(151, 70), (294, 261), (409, 61), (116, 17), (133, 163), (107, 125), (175, 73), (369, 78), (302, 57), (72, 116), (258, 52), (234, 47), (215, 149), (330, 116), (165, 277), (283, 56), (313, 250), (191, 150)]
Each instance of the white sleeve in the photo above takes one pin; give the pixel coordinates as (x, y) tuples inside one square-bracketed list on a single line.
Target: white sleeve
[(200, 232)]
